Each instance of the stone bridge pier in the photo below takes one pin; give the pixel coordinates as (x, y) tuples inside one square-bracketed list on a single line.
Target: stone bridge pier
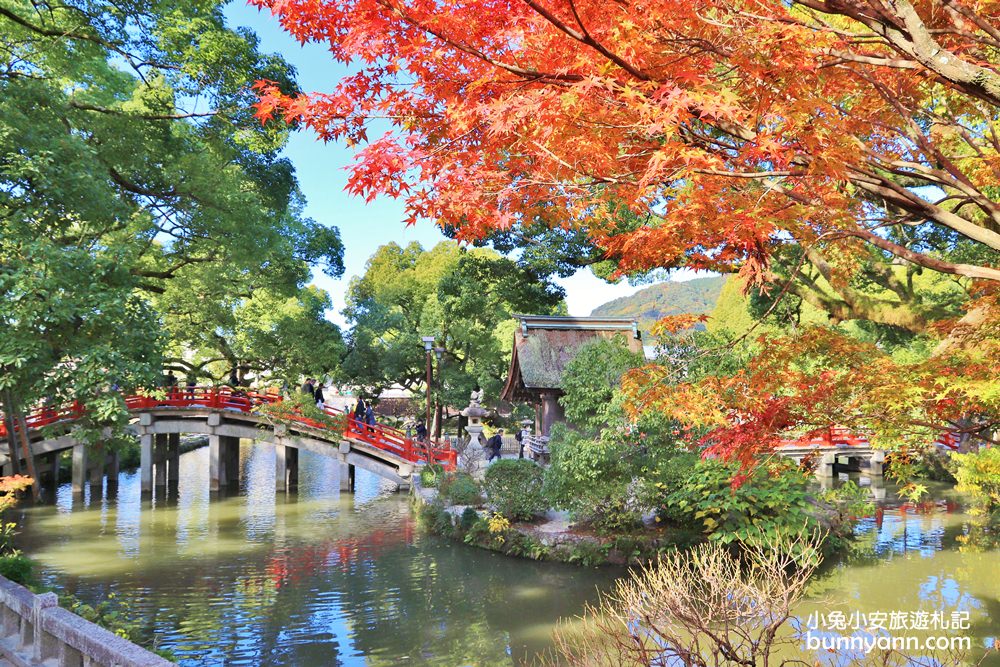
[(831, 462), (89, 468)]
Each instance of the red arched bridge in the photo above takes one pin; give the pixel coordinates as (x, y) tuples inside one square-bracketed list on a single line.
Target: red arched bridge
[(838, 446), (225, 416)]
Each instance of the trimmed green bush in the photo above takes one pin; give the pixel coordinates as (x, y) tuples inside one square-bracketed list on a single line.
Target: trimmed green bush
[(429, 477), (469, 518), (595, 480), (514, 488), (18, 568), (459, 489)]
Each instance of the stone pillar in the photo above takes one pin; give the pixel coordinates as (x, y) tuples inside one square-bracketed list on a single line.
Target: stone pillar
[(216, 469), (160, 460), (346, 477), (824, 470), (280, 468), (173, 458), (146, 461), (113, 468), (292, 460), (96, 465), (231, 456), (552, 412), (876, 463), (43, 645), (79, 467)]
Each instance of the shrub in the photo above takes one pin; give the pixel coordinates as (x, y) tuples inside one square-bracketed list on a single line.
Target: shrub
[(459, 489), (434, 517), (671, 613), (469, 518), (773, 499), (978, 473), (594, 480), (429, 477), (18, 568), (514, 488)]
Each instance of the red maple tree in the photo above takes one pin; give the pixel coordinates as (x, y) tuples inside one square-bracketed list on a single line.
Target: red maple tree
[(712, 134)]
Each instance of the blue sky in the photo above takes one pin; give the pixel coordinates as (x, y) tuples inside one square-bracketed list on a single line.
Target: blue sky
[(322, 177)]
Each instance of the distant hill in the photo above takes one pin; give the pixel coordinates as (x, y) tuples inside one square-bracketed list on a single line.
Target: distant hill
[(657, 301)]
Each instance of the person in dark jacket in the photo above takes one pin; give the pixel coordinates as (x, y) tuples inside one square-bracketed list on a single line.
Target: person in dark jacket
[(359, 411), (370, 419), (494, 444), (307, 388), (320, 398), (421, 431)]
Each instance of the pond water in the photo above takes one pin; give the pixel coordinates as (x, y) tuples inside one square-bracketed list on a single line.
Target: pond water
[(928, 565), (324, 578), (317, 578)]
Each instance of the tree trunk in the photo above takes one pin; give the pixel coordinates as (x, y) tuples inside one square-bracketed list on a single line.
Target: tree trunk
[(9, 423), (437, 419), (29, 460)]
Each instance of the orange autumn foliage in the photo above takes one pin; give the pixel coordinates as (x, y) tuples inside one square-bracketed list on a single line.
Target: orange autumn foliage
[(10, 487), (711, 134), (743, 125)]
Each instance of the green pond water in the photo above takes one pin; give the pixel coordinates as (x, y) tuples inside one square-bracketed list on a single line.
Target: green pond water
[(324, 578)]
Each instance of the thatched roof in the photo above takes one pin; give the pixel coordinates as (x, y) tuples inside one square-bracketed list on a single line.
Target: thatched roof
[(544, 345)]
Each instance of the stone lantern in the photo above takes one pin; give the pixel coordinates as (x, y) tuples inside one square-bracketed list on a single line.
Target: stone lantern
[(475, 413)]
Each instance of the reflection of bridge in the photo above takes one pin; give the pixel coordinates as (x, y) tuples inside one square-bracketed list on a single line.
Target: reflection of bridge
[(838, 448), (226, 416)]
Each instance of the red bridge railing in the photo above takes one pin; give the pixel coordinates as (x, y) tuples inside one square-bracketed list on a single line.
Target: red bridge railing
[(839, 436), (381, 437)]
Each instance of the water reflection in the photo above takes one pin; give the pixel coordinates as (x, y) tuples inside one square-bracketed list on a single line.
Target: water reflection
[(912, 559), (313, 578)]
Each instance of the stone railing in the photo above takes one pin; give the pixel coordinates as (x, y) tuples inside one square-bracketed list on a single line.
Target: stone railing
[(37, 631)]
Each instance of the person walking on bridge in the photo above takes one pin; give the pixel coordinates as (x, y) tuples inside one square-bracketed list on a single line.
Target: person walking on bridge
[(171, 383), (307, 388), (320, 398), (370, 418)]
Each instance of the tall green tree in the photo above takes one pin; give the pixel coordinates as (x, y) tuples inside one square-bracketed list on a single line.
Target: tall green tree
[(137, 193), (463, 297), (269, 335)]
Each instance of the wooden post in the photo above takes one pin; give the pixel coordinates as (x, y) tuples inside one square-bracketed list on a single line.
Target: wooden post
[(29, 458)]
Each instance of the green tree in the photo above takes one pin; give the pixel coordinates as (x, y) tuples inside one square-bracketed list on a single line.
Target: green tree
[(270, 334), (599, 462), (465, 298), (137, 193), (591, 381)]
